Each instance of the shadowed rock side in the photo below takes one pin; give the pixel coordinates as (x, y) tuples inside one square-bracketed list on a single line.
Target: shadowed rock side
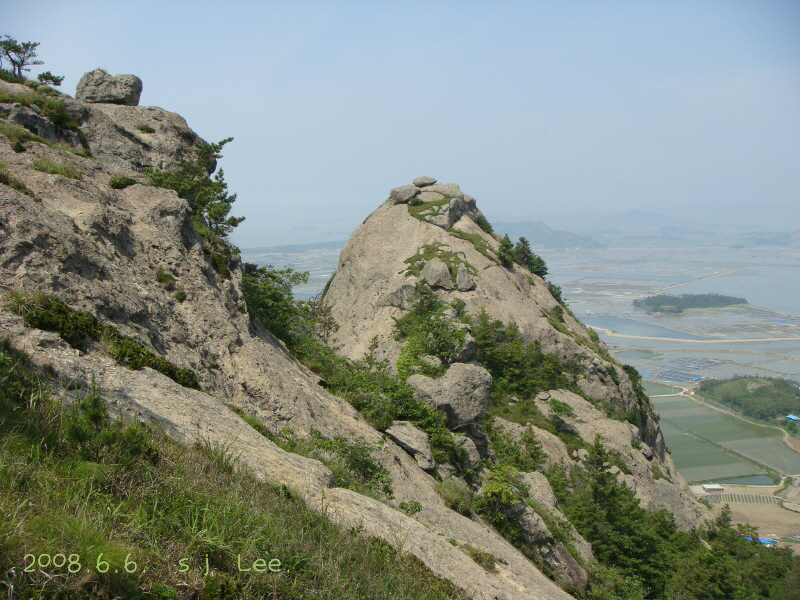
[(99, 249), (374, 285)]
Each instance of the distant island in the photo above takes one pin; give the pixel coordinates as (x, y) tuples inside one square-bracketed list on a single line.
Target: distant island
[(666, 303)]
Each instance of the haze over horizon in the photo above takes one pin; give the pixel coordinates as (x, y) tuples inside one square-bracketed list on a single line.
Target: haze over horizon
[(537, 109)]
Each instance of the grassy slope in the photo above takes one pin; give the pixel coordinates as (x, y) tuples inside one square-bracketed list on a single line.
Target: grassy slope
[(72, 483)]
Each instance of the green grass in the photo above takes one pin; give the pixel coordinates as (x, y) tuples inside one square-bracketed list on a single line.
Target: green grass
[(79, 489), (80, 329), (431, 251), (8, 179), (457, 496), (50, 108), (416, 207), (144, 128), (484, 559), (477, 241), (166, 280), (46, 165), (120, 182), (11, 78), (350, 461), (18, 136)]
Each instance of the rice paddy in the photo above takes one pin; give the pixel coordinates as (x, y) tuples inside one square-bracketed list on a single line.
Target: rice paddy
[(707, 444)]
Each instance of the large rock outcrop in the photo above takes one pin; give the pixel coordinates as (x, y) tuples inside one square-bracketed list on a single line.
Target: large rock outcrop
[(99, 250), (462, 393), (98, 87), (374, 284)]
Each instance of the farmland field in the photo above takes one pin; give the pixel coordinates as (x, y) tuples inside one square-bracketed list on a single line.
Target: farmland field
[(658, 389), (698, 460)]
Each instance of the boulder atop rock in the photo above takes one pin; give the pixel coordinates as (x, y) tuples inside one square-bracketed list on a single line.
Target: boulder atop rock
[(99, 87), (404, 193), (462, 393), (423, 181), (437, 274)]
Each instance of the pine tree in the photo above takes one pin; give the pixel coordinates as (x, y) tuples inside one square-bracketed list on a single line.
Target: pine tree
[(524, 256), (20, 55), (506, 252)]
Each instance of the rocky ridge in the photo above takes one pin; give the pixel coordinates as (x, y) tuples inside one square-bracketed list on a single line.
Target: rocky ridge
[(99, 250), (428, 232)]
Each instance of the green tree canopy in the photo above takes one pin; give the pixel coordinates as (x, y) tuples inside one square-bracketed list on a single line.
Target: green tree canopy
[(268, 294), (506, 252), (20, 55), (524, 256), (208, 198)]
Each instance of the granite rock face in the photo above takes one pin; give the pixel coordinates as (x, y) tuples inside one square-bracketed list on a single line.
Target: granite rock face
[(98, 87), (374, 286), (403, 193), (436, 274), (424, 181), (414, 441), (98, 249), (462, 393)]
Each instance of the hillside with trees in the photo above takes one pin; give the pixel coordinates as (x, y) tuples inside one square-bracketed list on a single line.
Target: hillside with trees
[(174, 424), (762, 398), (666, 303)]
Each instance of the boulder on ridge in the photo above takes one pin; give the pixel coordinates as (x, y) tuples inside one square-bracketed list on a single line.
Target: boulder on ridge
[(101, 88)]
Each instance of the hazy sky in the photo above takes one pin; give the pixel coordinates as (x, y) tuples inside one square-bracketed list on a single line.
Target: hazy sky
[(534, 108)]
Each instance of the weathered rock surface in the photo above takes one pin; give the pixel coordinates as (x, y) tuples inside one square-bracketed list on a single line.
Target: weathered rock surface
[(462, 393), (371, 283), (369, 292), (33, 122), (464, 280), (403, 193), (589, 422), (539, 488), (98, 87), (400, 297), (414, 441), (553, 552), (423, 181), (437, 274), (112, 132), (542, 493), (467, 352), (98, 249)]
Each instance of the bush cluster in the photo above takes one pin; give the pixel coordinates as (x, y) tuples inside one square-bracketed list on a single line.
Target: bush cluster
[(425, 331), (120, 182), (79, 329), (648, 551), (516, 367), (208, 199)]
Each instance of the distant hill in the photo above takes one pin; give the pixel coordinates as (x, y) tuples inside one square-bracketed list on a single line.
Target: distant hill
[(542, 236)]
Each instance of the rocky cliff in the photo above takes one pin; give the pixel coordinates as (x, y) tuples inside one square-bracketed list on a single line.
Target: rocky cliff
[(431, 233), (106, 251)]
